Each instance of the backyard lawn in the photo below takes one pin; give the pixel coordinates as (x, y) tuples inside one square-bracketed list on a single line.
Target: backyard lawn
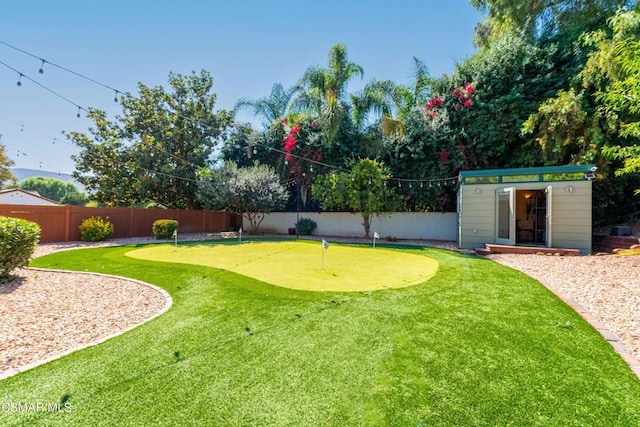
[(475, 344)]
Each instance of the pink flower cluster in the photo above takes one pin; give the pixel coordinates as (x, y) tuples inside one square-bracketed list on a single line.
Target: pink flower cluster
[(463, 96), (435, 102), (444, 156), (290, 140)]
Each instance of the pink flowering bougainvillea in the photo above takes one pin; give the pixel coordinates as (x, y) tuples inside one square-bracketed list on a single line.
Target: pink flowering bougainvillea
[(462, 97), (290, 140), (444, 156)]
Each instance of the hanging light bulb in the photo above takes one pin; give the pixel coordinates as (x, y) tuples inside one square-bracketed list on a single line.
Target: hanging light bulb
[(78, 114), (255, 150), (311, 168), (409, 185), (19, 83), (41, 70), (115, 96)]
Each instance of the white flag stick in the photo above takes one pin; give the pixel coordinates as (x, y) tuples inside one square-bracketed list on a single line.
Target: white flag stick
[(325, 246), (240, 236), (375, 236), (175, 236)]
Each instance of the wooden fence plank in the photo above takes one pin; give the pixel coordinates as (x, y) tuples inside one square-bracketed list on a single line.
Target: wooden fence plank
[(60, 223)]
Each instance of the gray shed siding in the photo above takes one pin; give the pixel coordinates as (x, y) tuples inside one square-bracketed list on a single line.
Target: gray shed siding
[(571, 213)]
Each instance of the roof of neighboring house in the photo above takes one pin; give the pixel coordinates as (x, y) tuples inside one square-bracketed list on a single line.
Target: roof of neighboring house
[(31, 193)]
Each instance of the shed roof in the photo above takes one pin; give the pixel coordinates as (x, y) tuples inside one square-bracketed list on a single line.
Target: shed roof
[(534, 174)]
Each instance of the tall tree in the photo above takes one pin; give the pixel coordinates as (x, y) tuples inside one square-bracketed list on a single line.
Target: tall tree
[(602, 108), (324, 90), (271, 108), (153, 151), (510, 78), (541, 17), (55, 189), (614, 68), (391, 103), (5, 164)]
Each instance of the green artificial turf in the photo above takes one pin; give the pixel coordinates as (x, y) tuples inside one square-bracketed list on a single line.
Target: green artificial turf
[(478, 344), (304, 265)]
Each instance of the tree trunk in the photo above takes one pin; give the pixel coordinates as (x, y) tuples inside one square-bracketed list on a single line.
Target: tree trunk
[(366, 221), (255, 219)]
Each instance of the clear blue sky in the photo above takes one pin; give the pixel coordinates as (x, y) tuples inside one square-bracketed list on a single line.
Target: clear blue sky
[(246, 45)]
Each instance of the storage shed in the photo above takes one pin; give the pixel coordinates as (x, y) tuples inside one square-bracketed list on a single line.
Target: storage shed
[(541, 206)]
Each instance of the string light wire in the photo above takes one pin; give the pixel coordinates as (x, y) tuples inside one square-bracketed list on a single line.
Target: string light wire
[(44, 61), (438, 181), (21, 75)]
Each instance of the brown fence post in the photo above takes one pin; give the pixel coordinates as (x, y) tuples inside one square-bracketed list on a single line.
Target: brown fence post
[(67, 223), (131, 222)]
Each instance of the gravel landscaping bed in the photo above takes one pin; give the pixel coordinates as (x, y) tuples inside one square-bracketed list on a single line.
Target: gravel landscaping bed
[(46, 314), (608, 286)]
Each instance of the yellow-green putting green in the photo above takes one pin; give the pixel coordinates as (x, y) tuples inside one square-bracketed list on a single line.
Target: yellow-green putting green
[(298, 264)]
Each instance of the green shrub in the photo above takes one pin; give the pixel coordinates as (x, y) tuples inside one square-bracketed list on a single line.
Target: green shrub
[(95, 229), (164, 228), (305, 226), (18, 241)]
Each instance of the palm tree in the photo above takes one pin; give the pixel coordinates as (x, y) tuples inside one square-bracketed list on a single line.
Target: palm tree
[(272, 107), (324, 89), (376, 98), (391, 103)]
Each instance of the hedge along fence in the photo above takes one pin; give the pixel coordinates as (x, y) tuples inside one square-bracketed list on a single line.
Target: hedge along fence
[(398, 225), (60, 223)]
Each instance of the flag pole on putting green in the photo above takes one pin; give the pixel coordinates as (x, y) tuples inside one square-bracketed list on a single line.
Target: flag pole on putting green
[(325, 246), (175, 237), (240, 235), (375, 236)]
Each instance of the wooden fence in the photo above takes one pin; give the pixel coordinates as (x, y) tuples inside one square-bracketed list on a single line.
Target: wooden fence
[(60, 223)]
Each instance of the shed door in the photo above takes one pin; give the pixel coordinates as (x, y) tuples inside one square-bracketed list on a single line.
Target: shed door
[(505, 216), (549, 224)]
